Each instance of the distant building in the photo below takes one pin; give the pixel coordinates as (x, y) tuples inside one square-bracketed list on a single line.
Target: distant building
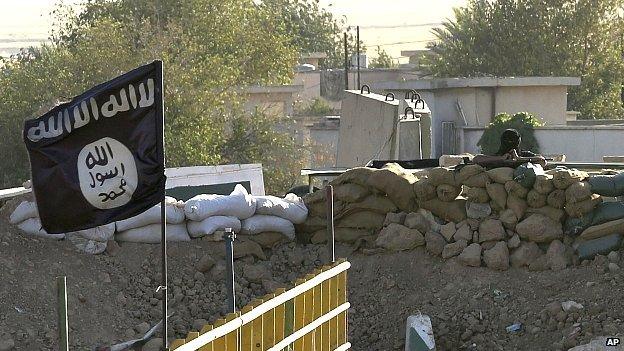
[(313, 58)]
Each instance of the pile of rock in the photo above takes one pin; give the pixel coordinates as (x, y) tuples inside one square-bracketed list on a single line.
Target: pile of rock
[(362, 198), (500, 217)]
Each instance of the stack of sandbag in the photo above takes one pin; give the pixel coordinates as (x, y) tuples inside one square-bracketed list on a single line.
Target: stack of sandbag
[(209, 213), (26, 217), (362, 198), (94, 240), (146, 227), (438, 192), (274, 219)]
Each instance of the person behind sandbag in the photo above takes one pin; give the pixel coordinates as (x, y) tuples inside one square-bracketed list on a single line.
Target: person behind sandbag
[(509, 153)]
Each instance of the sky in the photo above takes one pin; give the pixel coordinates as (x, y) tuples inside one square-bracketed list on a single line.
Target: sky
[(394, 24)]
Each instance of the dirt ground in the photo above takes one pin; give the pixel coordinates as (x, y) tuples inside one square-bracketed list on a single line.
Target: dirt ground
[(110, 296)]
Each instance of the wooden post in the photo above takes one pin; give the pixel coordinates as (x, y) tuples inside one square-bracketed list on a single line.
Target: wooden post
[(61, 288)]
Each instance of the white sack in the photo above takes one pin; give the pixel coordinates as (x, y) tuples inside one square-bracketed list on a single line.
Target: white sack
[(238, 204), (32, 226), (174, 212), (263, 223), (151, 234), (102, 233), (91, 247), (212, 224), (290, 207), (24, 211)]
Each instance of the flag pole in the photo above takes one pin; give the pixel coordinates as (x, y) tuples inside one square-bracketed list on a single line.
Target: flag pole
[(163, 220)]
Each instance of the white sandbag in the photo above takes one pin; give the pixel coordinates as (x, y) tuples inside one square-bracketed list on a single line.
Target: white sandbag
[(263, 223), (24, 211), (91, 247), (174, 212), (32, 226), (290, 207), (238, 204), (151, 234), (102, 233), (212, 224)]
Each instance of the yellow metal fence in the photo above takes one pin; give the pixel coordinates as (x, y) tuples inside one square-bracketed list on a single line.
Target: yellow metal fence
[(312, 316)]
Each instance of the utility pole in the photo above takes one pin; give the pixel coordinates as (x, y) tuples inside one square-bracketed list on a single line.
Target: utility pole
[(346, 52), (359, 83)]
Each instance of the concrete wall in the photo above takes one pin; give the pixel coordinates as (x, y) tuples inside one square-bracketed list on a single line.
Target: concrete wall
[(311, 82), (547, 102), (279, 103), (579, 144), (366, 129)]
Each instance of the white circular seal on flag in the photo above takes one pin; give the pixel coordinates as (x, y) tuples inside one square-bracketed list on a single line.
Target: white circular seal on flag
[(107, 173)]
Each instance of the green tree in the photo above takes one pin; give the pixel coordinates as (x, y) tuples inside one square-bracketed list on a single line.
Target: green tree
[(210, 48), (523, 122), (383, 59), (312, 28), (539, 38)]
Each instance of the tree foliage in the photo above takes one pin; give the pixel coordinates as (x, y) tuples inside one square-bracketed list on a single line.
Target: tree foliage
[(210, 48), (539, 38), (383, 59), (523, 122)]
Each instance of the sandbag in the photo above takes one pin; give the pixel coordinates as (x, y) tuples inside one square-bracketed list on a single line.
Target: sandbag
[(32, 226), (361, 219), (468, 171), (396, 184), (319, 209), (543, 184), (349, 192), (91, 247), (477, 181), (291, 207), (497, 193), (343, 235), (604, 229), (578, 192), (607, 211), (150, 234), (563, 178), (102, 233), (441, 175), (24, 211), (424, 189), (556, 198), (477, 195), (555, 214), (495, 207), (267, 239), (535, 199), (454, 211), (375, 203), (238, 204), (312, 224), (358, 175), (314, 198), (501, 175), (447, 192), (517, 205), (514, 188), (578, 209), (574, 226), (211, 224), (607, 185), (263, 223), (526, 174), (174, 213)]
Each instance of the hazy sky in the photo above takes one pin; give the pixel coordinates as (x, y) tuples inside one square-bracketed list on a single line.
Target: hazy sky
[(27, 22)]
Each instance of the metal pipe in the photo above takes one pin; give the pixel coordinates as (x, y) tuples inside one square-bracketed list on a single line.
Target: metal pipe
[(61, 290), (163, 284), (329, 196), (229, 261)]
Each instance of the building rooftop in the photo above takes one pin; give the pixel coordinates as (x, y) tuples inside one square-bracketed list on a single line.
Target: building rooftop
[(445, 83), (314, 55)]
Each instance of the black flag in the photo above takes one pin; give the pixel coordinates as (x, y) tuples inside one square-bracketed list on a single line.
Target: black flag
[(99, 158)]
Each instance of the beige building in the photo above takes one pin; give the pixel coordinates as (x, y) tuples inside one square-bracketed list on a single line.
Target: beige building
[(458, 103), (277, 100)]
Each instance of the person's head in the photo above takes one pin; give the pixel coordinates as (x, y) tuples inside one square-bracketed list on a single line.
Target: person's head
[(510, 140)]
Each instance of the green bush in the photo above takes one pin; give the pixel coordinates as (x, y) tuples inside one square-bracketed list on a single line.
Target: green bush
[(523, 122), (318, 107)]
